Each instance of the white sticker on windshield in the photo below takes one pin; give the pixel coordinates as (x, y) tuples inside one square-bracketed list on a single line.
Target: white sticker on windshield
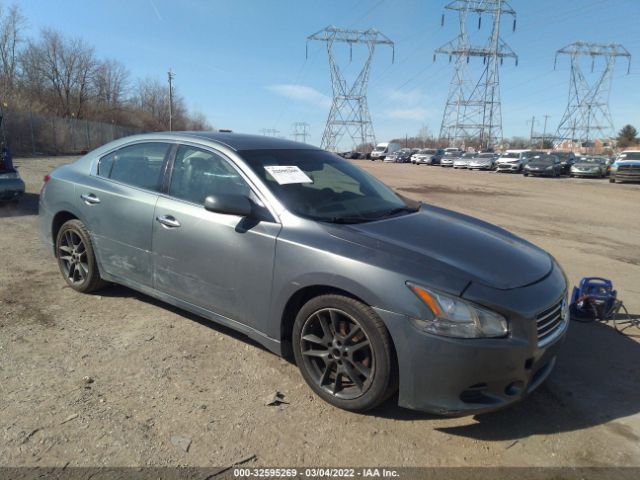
[(285, 174)]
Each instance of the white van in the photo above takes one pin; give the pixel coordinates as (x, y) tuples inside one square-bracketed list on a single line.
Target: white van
[(383, 149)]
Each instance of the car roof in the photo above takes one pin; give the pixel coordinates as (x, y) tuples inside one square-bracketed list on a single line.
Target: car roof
[(235, 141)]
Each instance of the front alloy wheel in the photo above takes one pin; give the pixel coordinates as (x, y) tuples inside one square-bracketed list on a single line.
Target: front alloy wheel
[(337, 353), (344, 352)]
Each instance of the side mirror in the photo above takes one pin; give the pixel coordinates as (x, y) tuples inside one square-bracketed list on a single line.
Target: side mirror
[(228, 204)]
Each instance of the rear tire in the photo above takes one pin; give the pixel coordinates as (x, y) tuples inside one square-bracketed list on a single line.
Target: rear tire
[(344, 352), (76, 258)]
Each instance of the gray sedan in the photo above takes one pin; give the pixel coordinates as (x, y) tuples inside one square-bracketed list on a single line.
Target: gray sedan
[(299, 249)]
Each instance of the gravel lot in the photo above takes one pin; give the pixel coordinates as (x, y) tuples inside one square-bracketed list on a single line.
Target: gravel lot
[(114, 379)]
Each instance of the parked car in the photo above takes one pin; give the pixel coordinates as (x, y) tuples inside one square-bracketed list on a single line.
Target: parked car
[(11, 185), (567, 159), (381, 150), (463, 160), (589, 167), (353, 155), (543, 166), (453, 151), (429, 156), (482, 161), (404, 155), (515, 160), (304, 252), (626, 167), (448, 159)]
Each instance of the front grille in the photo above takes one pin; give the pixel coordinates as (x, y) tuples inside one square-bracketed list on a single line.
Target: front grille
[(629, 168), (629, 172), (550, 321)]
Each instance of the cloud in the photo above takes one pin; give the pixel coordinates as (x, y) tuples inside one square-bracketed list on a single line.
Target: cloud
[(301, 93), (418, 113), (409, 97)]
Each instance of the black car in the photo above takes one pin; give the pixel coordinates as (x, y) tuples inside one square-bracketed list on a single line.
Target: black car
[(404, 155), (544, 166), (567, 159)]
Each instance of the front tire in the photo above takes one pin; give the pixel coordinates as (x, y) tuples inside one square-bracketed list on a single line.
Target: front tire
[(76, 259), (344, 352)]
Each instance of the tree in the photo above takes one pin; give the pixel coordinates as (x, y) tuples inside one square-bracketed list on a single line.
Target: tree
[(12, 24), (627, 136), (59, 73), (110, 83)]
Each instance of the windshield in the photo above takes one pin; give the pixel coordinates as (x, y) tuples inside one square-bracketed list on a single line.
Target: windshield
[(321, 186), (379, 148), (592, 160), (542, 160), (629, 156), (468, 155), (485, 155), (510, 155)]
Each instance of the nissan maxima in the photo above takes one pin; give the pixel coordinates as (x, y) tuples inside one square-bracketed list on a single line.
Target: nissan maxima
[(307, 254)]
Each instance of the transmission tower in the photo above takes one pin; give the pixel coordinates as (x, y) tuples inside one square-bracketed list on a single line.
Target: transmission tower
[(269, 132), (472, 112), (349, 114), (587, 116), (300, 131)]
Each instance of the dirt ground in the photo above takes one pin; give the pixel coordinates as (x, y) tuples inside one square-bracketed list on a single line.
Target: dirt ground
[(157, 373)]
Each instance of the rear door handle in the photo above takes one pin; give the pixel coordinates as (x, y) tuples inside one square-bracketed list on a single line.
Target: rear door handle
[(168, 221), (90, 198)]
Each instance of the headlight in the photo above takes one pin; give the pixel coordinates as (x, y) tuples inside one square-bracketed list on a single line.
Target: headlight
[(454, 317), (550, 167)]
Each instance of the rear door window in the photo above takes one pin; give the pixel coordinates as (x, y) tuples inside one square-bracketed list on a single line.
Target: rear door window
[(138, 165)]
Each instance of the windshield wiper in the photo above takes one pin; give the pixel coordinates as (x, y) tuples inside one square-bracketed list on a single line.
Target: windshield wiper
[(348, 220), (395, 211)]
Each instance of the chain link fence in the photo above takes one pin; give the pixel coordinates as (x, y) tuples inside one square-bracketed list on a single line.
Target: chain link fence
[(29, 133)]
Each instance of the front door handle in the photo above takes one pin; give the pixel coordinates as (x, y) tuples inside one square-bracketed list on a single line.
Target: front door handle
[(168, 221), (90, 198)]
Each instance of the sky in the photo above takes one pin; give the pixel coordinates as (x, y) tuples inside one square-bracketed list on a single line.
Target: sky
[(244, 63)]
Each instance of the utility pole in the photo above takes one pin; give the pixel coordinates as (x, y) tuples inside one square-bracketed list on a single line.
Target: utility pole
[(349, 114), (544, 130), (533, 122), (587, 115), (170, 76), (473, 109)]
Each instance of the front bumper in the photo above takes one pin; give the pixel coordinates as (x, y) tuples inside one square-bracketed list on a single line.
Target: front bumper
[(595, 173), (508, 167), (539, 173), (11, 188), (450, 376), (626, 175)]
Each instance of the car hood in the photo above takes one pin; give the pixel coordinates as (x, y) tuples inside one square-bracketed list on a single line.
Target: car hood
[(540, 164), (446, 240)]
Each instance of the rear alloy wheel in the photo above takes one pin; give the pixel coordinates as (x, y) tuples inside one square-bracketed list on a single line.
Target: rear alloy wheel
[(344, 352), (76, 259)]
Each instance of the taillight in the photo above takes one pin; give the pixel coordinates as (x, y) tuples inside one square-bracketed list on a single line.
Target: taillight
[(45, 180)]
